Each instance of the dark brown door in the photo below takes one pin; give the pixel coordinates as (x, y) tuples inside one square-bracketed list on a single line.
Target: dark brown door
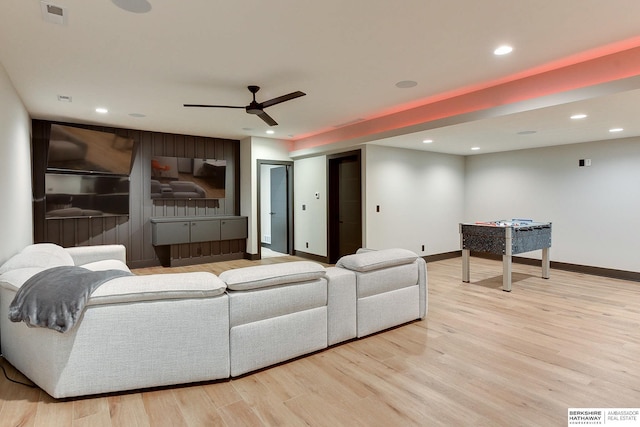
[(345, 205)]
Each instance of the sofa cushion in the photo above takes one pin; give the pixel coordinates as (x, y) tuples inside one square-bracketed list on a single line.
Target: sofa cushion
[(44, 255), (153, 287), (106, 264), (261, 276), (15, 278), (256, 305), (82, 255), (375, 260), (43, 247), (388, 279)]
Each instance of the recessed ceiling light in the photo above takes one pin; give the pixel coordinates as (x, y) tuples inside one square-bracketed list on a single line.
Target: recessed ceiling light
[(405, 84), (578, 116), (503, 50), (616, 130), (101, 110), (271, 132), (427, 141), (134, 6), (475, 148)]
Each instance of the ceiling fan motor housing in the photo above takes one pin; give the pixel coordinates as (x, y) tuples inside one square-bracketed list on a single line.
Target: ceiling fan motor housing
[(254, 108)]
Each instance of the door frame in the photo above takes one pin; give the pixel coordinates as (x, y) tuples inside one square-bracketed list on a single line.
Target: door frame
[(331, 225), (289, 175)]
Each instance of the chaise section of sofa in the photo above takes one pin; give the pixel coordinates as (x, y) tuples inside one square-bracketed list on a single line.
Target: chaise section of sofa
[(136, 331)]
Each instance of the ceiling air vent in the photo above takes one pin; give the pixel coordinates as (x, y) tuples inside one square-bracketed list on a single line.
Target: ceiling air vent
[(52, 13)]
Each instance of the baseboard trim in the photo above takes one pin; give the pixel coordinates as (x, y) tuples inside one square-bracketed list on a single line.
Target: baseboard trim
[(576, 268), (565, 266), (251, 257), (442, 256), (597, 271), (180, 262), (144, 263), (312, 257)]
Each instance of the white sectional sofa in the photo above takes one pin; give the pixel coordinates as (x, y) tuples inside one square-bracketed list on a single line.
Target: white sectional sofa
[(141, 331)]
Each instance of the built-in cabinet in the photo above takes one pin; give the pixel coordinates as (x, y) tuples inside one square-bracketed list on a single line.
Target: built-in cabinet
[(189, 240)]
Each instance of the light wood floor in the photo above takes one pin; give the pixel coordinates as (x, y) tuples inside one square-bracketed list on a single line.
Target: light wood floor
[(482, 357)]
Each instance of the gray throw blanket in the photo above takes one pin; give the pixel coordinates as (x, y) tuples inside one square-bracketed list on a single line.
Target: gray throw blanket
[(55, 297)]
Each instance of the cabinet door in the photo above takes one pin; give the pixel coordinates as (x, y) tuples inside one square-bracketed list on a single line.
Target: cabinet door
[(233, 229), (169, 233), (205, 231)]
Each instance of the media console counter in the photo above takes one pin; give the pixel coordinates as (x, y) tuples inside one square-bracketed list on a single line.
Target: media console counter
[(505, 238), (189, 240)]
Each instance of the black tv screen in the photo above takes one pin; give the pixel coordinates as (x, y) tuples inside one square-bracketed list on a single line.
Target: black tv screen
[(77, 195), (187, 178), (80, 150)]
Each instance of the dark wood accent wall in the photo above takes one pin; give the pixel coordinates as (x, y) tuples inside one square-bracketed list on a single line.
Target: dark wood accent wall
[(134, 231)]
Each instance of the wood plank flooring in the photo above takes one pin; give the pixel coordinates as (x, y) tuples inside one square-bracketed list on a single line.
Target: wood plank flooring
[(482, 357)]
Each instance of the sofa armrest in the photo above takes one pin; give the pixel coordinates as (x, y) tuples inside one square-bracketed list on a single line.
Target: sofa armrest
[(341, 305), (423, 286), (367, 260), (155, 287), (86, 254)]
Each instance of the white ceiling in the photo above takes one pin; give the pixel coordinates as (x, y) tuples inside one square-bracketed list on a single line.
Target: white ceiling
[(346, 55)]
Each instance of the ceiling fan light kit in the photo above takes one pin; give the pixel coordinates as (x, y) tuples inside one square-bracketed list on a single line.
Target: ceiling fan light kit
[(255, 107)]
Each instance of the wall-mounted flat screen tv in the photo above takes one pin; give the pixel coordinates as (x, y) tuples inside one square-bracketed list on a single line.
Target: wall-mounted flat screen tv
[(76, 195), (187, 178), (80, 150)]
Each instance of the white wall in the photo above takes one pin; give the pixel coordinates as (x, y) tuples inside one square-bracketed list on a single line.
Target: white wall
[(16, 219), (594, 210), (253, 149), (310, 224), (421, 199)]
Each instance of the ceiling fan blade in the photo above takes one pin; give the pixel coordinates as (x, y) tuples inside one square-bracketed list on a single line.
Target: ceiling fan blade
[(267, 118), (283, 98), (211, 106)]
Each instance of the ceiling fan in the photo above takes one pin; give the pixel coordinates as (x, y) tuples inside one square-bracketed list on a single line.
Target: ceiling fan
[(255, 107)]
